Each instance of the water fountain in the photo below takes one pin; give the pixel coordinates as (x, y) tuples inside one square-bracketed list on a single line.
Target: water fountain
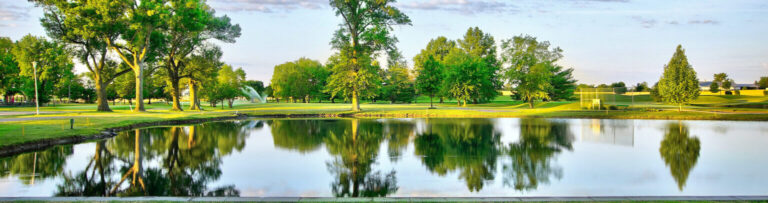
[(253, 95)]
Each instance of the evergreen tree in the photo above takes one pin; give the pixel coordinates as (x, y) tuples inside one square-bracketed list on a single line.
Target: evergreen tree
[(679, 84)]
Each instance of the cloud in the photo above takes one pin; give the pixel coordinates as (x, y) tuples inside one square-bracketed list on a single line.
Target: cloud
[(267, 6), (13, 12), (467, 7), (703, 22), (645, 22)]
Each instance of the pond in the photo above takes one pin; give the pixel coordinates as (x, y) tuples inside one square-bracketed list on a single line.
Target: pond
[(405, 157)]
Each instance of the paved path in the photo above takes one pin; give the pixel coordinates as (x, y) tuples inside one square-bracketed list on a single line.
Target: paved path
[(387, 199), (39, 118)]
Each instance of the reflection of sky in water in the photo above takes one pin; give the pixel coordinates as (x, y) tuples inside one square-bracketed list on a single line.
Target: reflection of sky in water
[(608, 157)]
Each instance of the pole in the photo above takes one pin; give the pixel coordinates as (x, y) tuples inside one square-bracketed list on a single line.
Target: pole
[(37, 103)]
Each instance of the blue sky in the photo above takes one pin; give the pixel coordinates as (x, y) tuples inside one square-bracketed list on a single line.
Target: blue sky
[(603, 40)]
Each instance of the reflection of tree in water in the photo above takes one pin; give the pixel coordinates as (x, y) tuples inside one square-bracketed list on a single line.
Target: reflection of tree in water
[(398, 133), (36, 165), (467, 145), (93, 181), (188, 157), (304, 135), (540, 141), (680, 152), (356, 145), (354, 142)]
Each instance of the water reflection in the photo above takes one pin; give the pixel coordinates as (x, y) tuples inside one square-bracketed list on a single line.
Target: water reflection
[(531, 157), (615, 132), (172, 161), (36, 165), (679, 152), (469, 146), (354, 144), (354, 158)]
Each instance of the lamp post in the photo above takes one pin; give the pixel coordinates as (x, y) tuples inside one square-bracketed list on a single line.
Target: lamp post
[(37, 103)]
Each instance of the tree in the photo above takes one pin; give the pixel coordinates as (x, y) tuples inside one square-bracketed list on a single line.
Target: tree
[(437, 48), (642, 87), (482, 45), (531, 70), (203, 69), (10, 81), (762, 83), (190, 23), (300, 79), (429, 77), (619, 87), (465, 75), (714, 87), (230, 82), (365, 31), (52, 63), (679, 84), (722, 81), (563, 84), (86, 27), (138, 24), (398, 83)]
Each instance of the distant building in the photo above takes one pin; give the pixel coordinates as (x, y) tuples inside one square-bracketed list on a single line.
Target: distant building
[(704, 86)]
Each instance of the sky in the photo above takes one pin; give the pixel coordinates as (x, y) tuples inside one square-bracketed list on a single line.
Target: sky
[(604, 41)]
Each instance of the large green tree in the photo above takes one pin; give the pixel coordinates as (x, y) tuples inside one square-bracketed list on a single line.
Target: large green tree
[(530, 69), (429, 72), (465, 76), (86, 27), (52, 61), (482, 45), (190, 24), (300, 79), (203, 67), (429, 77), (679, 84), (230, 82), (365, 31), (139, 24)]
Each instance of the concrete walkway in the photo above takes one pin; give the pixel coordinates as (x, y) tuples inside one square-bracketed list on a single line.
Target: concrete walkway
[(388, 199)]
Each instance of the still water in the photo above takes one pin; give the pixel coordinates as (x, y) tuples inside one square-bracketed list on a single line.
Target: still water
[(405, 157)]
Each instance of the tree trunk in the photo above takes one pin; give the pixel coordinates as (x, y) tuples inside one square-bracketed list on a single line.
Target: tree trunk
[(530, 103), (101, 95), (175, 94), (230, 101), (355, 101), (430, 102), (441, 100), (139, 74), (333, 100), (194, 102), (680, 108)]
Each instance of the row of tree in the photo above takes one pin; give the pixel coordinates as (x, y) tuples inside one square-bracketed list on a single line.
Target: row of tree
[(468, 70), (168, 38)]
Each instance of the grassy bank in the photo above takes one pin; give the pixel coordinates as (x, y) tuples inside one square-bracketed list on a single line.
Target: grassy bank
[(17, 127)]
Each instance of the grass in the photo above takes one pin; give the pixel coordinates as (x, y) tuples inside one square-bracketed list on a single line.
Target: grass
[(55, 122)]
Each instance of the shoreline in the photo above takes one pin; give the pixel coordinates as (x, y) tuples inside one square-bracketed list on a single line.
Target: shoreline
[(393, 199), (40, 144)]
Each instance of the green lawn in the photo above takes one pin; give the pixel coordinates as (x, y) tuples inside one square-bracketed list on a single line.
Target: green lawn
[(55, 122)]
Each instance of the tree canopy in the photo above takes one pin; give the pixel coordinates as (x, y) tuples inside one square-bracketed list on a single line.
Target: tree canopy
[(679, 84), (365, 32)]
